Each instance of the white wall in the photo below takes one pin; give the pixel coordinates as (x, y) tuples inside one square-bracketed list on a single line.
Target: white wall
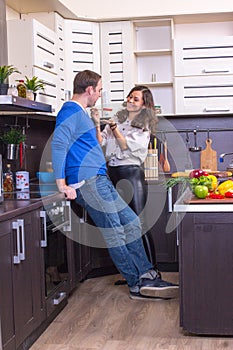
[(135, 8)]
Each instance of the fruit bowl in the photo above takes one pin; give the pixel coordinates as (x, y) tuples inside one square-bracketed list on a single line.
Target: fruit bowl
[(45, 177)]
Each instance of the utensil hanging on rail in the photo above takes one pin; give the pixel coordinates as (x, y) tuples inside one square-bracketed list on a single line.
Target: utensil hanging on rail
[(208, 156), (195, 148), (166, 164)]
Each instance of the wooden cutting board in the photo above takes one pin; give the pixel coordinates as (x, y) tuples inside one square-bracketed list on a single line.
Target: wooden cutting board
[(195, 200), (208, 157)]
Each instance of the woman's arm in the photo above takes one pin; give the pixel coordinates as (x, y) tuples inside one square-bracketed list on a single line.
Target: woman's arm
[(119, 137)]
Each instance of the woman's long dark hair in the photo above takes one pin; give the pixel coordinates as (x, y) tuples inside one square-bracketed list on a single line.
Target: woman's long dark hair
[(146, 118)]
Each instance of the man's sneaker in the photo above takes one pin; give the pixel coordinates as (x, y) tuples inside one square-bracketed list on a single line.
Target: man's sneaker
[(158, 288), (138, 296)]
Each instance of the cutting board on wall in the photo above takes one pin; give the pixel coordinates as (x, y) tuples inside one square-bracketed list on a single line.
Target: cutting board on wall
[(208, 157)]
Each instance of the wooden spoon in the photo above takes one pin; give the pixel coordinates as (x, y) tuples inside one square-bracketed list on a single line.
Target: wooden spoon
[(166, 165)]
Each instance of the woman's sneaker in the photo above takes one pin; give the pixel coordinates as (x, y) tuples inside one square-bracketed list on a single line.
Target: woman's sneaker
[(157, 288)]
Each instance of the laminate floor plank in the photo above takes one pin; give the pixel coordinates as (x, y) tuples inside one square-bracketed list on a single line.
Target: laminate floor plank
[(101, 316)]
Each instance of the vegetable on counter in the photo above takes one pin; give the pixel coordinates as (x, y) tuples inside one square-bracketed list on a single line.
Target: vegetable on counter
[(201, 191), (225, 186), (203, 185)]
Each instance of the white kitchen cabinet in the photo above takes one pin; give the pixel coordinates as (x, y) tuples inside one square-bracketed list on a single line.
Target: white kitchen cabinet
[(61, 83), (204, 94), (116, 61), (81, 49), (153, 59), (203, 67), (204, 57), (32, 48)]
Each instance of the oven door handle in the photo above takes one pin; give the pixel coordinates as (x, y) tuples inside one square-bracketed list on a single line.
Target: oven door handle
[(43, 242), (59, 227)]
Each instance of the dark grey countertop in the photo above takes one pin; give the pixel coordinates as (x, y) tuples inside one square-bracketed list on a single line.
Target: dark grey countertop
[(11, 208)]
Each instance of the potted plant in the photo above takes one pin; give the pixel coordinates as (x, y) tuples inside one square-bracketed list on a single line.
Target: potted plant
[(5, 72), (34, 84), (12, 139)]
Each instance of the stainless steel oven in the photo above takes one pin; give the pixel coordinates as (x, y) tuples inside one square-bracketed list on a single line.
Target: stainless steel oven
[(56, 217)]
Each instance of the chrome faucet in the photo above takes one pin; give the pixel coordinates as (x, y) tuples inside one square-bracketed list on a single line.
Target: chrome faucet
[(221, 157)]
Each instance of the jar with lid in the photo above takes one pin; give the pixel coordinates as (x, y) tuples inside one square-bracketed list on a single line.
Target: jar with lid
[(21, 89), (8, 179), (12, 90), (158, 109)]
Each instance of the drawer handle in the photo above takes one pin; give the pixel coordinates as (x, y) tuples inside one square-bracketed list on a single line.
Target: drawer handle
[(15, 226), (21, 227), (216, 109), (48, 65), (57, 301), (215, 71)]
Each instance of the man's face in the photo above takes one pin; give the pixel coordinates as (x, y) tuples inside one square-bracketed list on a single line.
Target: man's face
[(95, 93)]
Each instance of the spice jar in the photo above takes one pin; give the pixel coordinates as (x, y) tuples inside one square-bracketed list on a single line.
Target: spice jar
[(21, 89), (158, 109), (12, 90)]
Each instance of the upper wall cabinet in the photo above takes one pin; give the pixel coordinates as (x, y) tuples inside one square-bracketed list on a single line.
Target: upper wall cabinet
[(203, 61), (32, 48), (81, 49), (204, 57), (153, 60), (116, 61)]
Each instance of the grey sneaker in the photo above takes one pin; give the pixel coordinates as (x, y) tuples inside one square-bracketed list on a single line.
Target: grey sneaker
[(158, 288), (138, 296)]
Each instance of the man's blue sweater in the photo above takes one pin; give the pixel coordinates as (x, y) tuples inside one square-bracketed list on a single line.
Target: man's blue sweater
[(76, 153)]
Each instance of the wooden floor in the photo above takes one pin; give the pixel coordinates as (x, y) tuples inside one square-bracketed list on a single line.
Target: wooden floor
[(101, 316)]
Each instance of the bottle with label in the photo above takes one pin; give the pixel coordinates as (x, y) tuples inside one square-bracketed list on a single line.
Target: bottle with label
[(21, 89), (8, 179)]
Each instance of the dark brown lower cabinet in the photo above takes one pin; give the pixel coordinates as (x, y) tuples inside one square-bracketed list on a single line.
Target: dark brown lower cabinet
[(206, 273), (22, 301), (160, 221), (79, 246)]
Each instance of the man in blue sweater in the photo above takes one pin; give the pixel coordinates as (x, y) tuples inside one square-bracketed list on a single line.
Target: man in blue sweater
[(81, 174)]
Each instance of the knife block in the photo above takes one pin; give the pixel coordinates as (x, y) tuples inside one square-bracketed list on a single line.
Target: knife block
[(151, 165)]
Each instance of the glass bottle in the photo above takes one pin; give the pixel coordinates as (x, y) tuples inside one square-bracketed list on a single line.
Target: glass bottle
[(21, 89), (8, 179), (12, 90)]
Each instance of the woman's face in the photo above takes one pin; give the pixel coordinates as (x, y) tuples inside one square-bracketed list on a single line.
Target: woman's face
[(135, 101)]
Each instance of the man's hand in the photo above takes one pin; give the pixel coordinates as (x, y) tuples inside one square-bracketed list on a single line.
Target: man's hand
[(69, 192), (95, 116)]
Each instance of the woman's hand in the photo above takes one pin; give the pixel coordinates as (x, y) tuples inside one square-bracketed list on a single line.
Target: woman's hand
[(108, 121)]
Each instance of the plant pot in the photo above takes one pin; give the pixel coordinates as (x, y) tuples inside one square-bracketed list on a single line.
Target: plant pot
[(3, 88), (11, 151)]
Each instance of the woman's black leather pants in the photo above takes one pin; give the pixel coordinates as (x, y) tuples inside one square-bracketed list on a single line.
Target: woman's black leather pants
[(129, 181)]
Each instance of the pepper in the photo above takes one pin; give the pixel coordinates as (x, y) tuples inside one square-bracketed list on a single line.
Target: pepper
[(225, 186), (229, 194), (215, 196)]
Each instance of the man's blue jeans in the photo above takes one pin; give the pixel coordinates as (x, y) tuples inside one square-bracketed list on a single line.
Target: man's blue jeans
[(119, 225)]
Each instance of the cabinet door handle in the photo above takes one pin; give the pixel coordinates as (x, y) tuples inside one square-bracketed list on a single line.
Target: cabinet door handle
[(57, 301), (48, 65), (21, 230), (16, 258), (43, 242), (67, 208), (206, 109), (215, 71), (169, 198)]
